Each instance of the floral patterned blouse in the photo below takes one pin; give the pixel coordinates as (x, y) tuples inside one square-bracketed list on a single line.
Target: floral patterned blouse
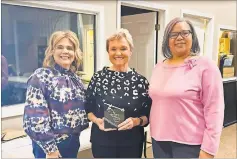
[(125, 90), (54, 107)]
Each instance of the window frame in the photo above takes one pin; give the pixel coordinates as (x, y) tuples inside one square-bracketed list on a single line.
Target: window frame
[(75, 7), (219, 28)]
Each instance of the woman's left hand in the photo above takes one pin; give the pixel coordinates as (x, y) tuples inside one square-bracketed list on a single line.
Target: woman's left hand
[(128, 124), (204, 154)]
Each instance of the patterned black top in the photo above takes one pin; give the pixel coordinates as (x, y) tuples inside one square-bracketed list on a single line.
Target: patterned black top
[(126, 90), (54, 107)]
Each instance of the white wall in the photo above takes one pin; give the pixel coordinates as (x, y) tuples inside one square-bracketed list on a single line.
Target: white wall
[(224, 13)]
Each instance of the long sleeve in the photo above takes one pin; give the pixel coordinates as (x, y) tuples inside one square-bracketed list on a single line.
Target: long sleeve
[(145, 99), (213, 101), (36, 118), (90, 95)]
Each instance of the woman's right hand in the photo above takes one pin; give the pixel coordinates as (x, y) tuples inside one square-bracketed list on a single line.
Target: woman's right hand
[(55, 154), (100, 123)]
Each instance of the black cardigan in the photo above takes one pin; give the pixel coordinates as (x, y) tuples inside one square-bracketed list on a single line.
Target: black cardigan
[(127, 90)]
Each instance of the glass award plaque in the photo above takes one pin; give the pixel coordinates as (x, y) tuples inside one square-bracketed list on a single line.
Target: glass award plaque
[(113, 116)]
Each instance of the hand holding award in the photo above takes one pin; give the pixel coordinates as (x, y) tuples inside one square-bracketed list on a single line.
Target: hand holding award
[(113, 116)]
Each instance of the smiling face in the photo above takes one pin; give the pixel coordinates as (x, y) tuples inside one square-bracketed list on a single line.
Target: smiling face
[(181, 45), (64, 53), (119, 52)]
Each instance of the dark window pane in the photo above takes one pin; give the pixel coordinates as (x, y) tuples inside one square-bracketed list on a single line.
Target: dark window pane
[(25, 34)]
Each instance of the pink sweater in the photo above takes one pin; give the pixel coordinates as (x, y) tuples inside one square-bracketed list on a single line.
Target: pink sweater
[(187, 103)]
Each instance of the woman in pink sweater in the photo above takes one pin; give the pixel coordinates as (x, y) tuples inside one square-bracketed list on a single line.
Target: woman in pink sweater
[(187, 110)]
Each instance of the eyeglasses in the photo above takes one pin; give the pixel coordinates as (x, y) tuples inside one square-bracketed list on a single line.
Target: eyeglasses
[(184, 34), (61, 47)]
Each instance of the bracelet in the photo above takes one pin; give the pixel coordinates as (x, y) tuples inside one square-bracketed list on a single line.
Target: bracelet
[(141, 121)]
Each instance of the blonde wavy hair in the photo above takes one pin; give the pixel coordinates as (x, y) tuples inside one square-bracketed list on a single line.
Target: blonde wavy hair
[(54, 39), (119, 34)]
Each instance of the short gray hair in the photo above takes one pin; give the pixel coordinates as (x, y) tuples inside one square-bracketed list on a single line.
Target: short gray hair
[(195, 49), (120, 33)]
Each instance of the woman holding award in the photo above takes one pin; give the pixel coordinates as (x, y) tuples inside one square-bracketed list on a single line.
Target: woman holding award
[(117, 103)]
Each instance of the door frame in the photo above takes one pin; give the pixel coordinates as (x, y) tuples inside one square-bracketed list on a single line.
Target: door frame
[(219, 27), (153, 6), (210, 29)]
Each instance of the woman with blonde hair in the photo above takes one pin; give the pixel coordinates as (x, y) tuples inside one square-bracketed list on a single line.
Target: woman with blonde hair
[(115, 88), (54, 113)]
